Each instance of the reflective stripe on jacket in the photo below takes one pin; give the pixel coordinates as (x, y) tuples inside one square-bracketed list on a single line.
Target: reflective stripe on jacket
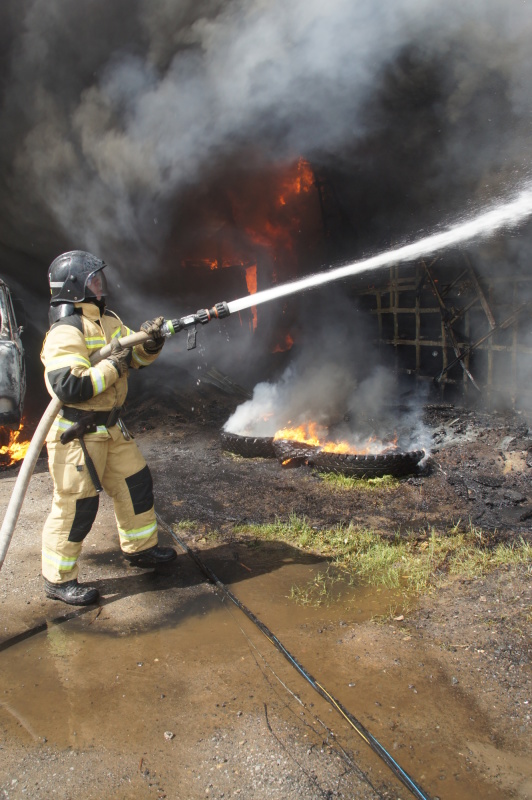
[(66, 357)]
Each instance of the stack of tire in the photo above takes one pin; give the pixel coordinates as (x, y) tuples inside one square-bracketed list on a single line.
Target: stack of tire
[(248, 446), (298, 453)]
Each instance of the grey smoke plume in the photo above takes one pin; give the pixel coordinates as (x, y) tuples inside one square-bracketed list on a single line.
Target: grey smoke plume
[(318, 393), (111, 111), (336, 382), (365, 414), (123, 123)]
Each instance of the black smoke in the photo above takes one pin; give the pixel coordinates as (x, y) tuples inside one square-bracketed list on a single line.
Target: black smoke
[(121, 122)]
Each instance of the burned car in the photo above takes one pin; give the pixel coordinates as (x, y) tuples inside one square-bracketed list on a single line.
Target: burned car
[(12, 364)]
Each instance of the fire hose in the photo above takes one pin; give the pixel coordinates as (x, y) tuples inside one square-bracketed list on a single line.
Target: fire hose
[(357, 726), (504, 215), (169, 328)]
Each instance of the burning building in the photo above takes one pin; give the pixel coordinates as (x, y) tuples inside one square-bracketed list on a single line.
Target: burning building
[(210, 152)]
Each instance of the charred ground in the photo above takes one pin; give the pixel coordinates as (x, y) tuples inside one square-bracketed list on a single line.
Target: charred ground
[(477, 471), (445, 685)]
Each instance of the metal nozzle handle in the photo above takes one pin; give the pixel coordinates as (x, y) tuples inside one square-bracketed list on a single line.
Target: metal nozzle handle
[(204, 315)]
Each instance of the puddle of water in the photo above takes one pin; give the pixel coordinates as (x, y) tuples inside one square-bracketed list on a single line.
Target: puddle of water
[(419, 718), (77, 687), (272, 592), (81, 688)]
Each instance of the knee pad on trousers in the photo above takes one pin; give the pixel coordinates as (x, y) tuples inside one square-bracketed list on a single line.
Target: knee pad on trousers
[(86, 510), (140, 487)]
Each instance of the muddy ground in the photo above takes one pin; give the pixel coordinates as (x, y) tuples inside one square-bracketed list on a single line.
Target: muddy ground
[(166, 690)]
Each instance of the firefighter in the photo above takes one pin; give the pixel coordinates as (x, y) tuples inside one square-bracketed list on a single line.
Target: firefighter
[(102, 454)]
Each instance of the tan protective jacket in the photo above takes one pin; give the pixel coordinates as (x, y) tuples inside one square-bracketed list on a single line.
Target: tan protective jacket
[(69, 374)]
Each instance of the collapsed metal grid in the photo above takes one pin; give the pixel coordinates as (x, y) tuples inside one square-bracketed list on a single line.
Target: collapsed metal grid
[(450, 326)]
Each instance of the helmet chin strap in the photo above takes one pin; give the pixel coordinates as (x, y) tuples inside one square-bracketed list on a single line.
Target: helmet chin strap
[(99, 303)]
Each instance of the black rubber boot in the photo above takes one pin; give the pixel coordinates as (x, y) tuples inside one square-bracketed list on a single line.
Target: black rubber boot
[(71, 592), (152, 557)]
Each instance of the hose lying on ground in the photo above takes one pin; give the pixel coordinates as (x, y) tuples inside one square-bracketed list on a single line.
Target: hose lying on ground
[(375, 745)]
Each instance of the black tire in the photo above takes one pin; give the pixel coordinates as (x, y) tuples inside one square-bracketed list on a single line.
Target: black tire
[(247, 446), (370, 466), (285, 449)]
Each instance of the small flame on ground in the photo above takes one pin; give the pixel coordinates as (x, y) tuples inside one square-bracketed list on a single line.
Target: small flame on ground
[(316, 435), (16, 448), (288, 463)]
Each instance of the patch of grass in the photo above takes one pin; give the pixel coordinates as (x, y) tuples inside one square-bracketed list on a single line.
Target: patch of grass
[(316, 593), (472, 562), (197, 530), (345, 482), (411, 563), (396, 611), (234, 456), (185, 525), (237, 457)]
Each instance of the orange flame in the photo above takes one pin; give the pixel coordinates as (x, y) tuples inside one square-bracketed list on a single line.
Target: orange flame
[(316, 435), (284, 346), (278, 229), (251, 283), (272, 225), (15, 450), (302, 181), (251, 279)]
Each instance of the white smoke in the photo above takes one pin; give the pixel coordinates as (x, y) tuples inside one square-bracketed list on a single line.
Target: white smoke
[(317, 393), (366, 412)]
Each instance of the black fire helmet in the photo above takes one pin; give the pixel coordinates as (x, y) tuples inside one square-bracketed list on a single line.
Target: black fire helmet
[(68, 276)]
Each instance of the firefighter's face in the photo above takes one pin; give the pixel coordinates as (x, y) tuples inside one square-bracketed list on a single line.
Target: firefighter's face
[(97, 285)]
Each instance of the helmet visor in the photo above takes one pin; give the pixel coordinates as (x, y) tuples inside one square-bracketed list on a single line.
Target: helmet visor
[(96, 285)]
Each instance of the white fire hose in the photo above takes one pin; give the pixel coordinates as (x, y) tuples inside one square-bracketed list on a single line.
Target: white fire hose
[(36, 445), (169, 327)]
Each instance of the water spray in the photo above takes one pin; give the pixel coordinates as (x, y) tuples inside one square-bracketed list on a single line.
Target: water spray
[(505, 215)]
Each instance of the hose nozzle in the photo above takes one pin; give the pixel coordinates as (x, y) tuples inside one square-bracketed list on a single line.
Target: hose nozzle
[(204, 315), (220, 310)]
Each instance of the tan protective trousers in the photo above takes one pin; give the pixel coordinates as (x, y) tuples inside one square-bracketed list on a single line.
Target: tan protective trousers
[(124, 476)]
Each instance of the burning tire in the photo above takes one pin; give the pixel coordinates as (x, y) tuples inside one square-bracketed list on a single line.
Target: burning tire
[(368, 466), (248, 446), (285, 450)]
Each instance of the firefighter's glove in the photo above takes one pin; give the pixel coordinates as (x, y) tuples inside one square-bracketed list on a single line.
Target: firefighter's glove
[(153, 328), (120, 356)]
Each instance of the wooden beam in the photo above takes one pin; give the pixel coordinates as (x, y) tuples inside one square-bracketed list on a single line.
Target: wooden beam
[(447, 329)]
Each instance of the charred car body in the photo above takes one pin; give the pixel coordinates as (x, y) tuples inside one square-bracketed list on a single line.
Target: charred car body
[(12, 364)]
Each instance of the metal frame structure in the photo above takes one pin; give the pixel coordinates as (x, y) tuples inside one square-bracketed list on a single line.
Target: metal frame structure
[(459, 327)]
